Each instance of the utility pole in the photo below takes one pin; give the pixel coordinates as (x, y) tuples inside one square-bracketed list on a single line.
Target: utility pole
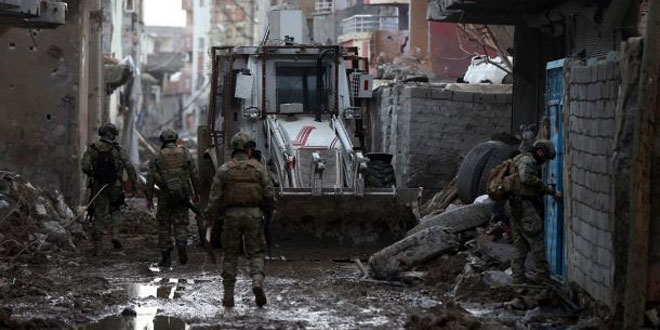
[(640, 206)]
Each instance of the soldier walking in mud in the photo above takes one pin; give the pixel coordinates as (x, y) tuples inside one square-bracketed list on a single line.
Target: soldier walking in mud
[(104, 163), (241, 192), (525, 205), (174, 171)]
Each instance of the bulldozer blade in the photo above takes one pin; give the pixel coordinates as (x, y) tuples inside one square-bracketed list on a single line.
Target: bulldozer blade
[(377, 218)]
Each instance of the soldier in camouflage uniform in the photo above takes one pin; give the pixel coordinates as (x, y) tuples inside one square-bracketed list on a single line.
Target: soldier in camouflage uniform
[(241, 192), (525, 205), (174, 171), (104, 163)]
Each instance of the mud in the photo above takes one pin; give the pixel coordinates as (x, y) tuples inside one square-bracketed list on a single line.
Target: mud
[(312, 288)]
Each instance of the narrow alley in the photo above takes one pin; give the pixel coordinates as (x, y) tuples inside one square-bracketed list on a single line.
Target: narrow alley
[(330, 164)]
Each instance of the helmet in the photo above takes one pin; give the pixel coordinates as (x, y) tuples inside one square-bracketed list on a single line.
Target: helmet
[(168, 135), (547, 147), (108, 128), (242, 141)]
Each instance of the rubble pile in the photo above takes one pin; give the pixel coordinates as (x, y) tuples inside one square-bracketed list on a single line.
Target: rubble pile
[(34, 220)]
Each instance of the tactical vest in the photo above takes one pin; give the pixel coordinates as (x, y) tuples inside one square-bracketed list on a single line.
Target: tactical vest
[(174, 173), (173, 162), (515, 183), (105, 166), (243, 187)]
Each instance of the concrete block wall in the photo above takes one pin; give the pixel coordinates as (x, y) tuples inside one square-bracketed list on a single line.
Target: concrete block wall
[(590, 116), (429, 128), (43, 102)]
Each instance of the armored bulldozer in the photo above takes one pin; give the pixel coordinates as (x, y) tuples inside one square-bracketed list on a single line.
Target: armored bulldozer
[(305, 106)]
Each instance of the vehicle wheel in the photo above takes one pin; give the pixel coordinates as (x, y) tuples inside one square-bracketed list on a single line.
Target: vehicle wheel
[(380, 172), (469, 174)]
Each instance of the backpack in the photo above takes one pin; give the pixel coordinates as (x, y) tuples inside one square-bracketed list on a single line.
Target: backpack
[(499, 187), (105, 168)]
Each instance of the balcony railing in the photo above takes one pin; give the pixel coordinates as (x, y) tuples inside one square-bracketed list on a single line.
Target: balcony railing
[(369, 23)]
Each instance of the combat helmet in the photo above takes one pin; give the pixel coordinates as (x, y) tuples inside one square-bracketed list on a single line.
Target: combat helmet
[(168, 135), (242, 141), (547, 147), (108, 129)]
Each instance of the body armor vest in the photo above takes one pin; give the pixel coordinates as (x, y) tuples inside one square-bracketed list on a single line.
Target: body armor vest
[(173, 161), (243, 187)]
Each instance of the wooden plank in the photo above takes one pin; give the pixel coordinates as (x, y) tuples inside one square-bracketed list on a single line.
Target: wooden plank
[(638, 238)]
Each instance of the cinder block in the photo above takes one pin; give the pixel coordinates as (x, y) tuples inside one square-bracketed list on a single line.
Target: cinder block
[(492, 99), (416, 92), (602, 71), (594, 73), (462, 97), (441, 93), (610, 73)]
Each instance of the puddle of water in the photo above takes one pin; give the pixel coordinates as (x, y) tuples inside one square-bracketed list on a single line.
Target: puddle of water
[(146, 319), (164, 288)]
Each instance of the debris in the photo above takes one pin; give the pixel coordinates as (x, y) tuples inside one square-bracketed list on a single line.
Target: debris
[(589, 324), (459, 220), (415, 249), (482, 199), (38, 221), (496, 278), (523, 303), (502, 252), (440, 201), (363, 269), (652, 316), (390, 283)]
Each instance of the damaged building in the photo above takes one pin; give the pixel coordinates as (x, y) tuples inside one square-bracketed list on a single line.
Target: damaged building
[(581, 72)]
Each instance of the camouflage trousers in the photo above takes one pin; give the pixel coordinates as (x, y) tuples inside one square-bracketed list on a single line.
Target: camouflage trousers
[(106, 212), (239, 223), (528, 237), (172, 218)]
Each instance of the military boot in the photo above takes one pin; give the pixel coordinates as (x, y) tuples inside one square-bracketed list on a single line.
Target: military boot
[(116, 244), (228, 299), (165, 260), (258, 290), (181, 252), (259, 296), (96, 249)]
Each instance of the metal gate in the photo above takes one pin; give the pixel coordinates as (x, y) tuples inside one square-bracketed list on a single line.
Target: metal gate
[(555, 246)]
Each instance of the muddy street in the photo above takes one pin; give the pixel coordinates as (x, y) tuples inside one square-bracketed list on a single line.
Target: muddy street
[(307, 289)]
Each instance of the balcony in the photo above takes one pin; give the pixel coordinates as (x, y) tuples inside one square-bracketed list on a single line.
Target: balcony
[(369, 23)]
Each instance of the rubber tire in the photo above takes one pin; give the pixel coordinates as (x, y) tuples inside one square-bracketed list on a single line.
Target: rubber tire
[(469, 174), (380, 172)]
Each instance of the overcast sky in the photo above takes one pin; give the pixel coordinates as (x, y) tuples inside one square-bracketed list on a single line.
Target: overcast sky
[(164, 13)]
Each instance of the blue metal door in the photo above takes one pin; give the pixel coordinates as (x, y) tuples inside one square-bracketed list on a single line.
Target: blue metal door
[(555, 246)]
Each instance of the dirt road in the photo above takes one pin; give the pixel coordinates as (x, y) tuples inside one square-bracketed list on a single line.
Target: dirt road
[(307, 289)]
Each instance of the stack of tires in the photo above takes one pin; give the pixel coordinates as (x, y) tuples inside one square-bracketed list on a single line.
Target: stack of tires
[(380, 172), (474, 171)]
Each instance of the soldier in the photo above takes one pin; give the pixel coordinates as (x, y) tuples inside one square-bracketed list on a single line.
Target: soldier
[(525, 205), (241, 192), (174, 171), (104, 163)]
